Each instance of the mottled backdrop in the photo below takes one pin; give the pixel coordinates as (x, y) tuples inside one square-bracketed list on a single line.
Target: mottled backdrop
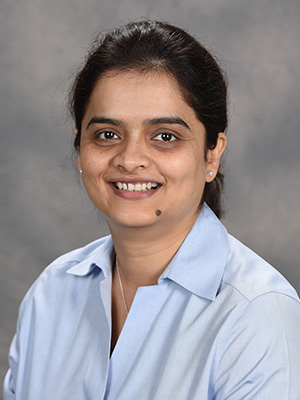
[(45, 213)]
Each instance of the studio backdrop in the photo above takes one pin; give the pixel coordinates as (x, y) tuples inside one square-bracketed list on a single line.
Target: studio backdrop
[(44, 210)]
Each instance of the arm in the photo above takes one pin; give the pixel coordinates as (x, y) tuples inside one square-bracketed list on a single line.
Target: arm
[(261, 356), (8, 386)]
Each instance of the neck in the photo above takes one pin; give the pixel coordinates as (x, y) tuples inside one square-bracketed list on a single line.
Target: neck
[(144, 253)]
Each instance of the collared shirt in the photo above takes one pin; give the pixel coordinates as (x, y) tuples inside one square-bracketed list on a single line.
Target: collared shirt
[(220, 324)]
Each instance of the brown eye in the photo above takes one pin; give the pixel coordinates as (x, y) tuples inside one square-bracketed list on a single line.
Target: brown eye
[(107, 135), (165, 137)]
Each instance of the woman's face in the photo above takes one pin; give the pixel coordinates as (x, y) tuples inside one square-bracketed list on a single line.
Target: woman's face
[(143, 149)]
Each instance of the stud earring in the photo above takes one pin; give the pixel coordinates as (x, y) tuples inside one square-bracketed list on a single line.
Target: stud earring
[(210, 173), (80, 171)]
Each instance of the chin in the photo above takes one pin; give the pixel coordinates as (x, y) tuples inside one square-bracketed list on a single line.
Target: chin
[(139, 220)]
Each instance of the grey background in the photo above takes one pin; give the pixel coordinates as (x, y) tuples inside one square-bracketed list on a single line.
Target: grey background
[(45, 213)]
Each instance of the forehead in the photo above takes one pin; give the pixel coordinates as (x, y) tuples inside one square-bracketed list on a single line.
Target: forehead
[(137, 93), (151, 78)]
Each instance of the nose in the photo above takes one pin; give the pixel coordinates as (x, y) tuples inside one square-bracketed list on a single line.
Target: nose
[(132, 155)]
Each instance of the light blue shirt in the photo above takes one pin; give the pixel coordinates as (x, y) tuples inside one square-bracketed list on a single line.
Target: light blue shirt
[(220, 324)]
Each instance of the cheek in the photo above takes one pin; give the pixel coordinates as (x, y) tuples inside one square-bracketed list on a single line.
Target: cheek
[(93, 163), (190, 166)]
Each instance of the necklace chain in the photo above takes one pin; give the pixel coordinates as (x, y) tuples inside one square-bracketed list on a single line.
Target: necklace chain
[(121, 286)]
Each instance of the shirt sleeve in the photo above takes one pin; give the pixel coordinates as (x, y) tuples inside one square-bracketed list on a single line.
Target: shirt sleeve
[(9, 386), (12, 376), (261, 356), (8, 389)]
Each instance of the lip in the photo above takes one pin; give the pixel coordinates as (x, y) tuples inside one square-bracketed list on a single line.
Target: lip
[(133, 195), (133, 180)]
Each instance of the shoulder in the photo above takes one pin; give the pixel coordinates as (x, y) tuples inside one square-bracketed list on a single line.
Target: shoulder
[(78, 255), (60, 279), (251, 276), (256, 295), (58, 302), (260, 340)]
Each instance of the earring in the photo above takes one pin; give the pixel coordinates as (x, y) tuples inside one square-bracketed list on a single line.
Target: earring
[(210, 173), (80, 171)]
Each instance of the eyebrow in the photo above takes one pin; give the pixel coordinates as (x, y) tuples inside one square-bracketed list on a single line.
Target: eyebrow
[(103, 120), (154, 121), (167, 120)]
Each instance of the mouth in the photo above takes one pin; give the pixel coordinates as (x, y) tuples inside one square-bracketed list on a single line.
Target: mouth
[(136, 187)]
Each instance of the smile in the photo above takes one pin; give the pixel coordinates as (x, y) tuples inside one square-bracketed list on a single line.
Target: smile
[(138, 187)]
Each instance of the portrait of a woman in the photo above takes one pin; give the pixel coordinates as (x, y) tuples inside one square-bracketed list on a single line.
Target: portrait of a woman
[(169, 305)]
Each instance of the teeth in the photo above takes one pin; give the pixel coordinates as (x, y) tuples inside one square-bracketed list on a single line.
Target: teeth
[(138, 187)]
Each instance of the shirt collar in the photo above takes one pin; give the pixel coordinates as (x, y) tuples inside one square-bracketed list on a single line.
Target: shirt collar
[(200, 262), (198, 265), (98, 254)]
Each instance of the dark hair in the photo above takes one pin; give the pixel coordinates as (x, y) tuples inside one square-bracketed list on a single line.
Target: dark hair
[(153, 45)]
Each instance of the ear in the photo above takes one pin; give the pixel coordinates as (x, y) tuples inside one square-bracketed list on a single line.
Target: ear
[(79, 163), (78, 157), (213, 157)]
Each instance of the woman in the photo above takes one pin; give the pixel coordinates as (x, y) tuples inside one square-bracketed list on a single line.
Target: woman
[(169, 306)]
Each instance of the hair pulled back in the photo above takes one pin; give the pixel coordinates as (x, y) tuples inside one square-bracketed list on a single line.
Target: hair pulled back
[(157, 46)]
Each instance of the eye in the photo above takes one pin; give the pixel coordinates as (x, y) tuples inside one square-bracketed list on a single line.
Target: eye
[(107, 135), (165, 137)]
